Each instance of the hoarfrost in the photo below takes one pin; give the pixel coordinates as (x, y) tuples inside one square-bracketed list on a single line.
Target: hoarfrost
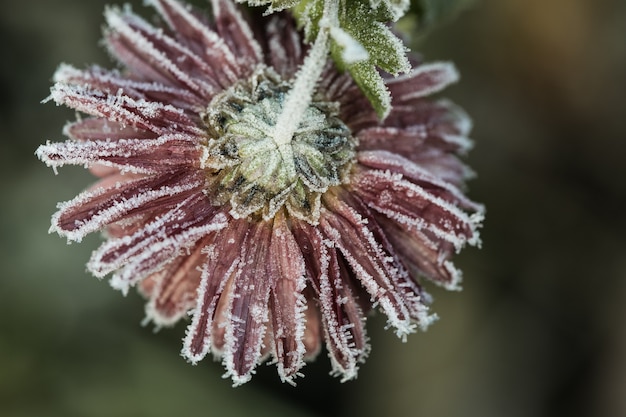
[(352, 50)]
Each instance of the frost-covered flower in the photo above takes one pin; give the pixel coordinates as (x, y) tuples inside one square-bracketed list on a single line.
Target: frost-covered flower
[(272, 242)]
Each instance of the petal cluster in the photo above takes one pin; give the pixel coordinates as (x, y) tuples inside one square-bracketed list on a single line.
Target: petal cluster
[(259, 287)]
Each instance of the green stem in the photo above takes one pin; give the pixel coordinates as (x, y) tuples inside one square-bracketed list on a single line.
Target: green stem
[(299, 97)]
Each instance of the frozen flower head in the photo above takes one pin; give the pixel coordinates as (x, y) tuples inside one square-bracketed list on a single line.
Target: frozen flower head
[(275, 221)]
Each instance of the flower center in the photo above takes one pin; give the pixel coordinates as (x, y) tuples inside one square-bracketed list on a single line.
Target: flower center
[(255, 169)]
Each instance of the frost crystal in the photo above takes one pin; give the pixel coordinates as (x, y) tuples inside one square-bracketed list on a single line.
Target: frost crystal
[(255, 189)]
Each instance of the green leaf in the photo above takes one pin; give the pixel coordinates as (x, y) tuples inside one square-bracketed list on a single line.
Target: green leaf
[(362, 44), (371, 83), (308, 14)]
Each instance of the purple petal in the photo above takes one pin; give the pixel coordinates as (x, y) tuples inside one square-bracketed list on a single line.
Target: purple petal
[(411, 130), (423, 252), (285, 46), (355, 108), (97, 128), (370, 262), (387, 161), (312, 338), (405, 287)]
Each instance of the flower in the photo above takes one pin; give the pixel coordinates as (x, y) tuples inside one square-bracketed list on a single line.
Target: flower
[(271, 242)]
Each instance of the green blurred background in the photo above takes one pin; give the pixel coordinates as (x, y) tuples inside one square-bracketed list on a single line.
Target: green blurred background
[(538, 331)]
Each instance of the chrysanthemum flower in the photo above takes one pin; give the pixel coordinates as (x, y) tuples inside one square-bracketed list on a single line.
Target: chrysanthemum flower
[(271, 244)]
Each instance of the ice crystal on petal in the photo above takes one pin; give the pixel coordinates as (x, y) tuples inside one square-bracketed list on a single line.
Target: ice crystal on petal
[(259, 195)]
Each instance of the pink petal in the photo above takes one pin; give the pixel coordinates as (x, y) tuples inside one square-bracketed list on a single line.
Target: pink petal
[(312, 339), (355, 109), (416, 207), (140, 156), (236, 33), (342, 317), (175, 287), (147, 115), (287, 304), (248, 312), (423, 252), (422, 81), (443, 165), (112, 201), (285, 46), (111, 82), (383, 160), (373, 266), (195, 34), (412, 129), (144, 252), (97, 128), (404, 286), (222, 259), (155, 56)]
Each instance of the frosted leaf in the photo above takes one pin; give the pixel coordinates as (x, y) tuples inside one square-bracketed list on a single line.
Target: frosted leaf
[(274, 5), (351, 50), (366, 26), (396, 8)]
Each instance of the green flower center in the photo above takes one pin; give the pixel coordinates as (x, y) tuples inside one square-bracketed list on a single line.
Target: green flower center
[(257, 173)]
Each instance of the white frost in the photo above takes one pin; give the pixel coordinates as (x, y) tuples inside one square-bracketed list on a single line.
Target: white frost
[(352, 50)]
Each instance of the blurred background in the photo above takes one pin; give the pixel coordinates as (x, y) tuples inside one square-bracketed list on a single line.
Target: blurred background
[(538, 330)]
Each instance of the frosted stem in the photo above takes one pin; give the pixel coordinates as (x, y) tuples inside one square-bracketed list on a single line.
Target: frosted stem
[(299, 97)]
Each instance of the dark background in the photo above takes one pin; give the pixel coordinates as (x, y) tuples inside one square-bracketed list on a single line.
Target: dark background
[(538, 330)]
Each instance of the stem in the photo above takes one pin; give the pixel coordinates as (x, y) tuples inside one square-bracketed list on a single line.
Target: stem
[(299, 97)]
